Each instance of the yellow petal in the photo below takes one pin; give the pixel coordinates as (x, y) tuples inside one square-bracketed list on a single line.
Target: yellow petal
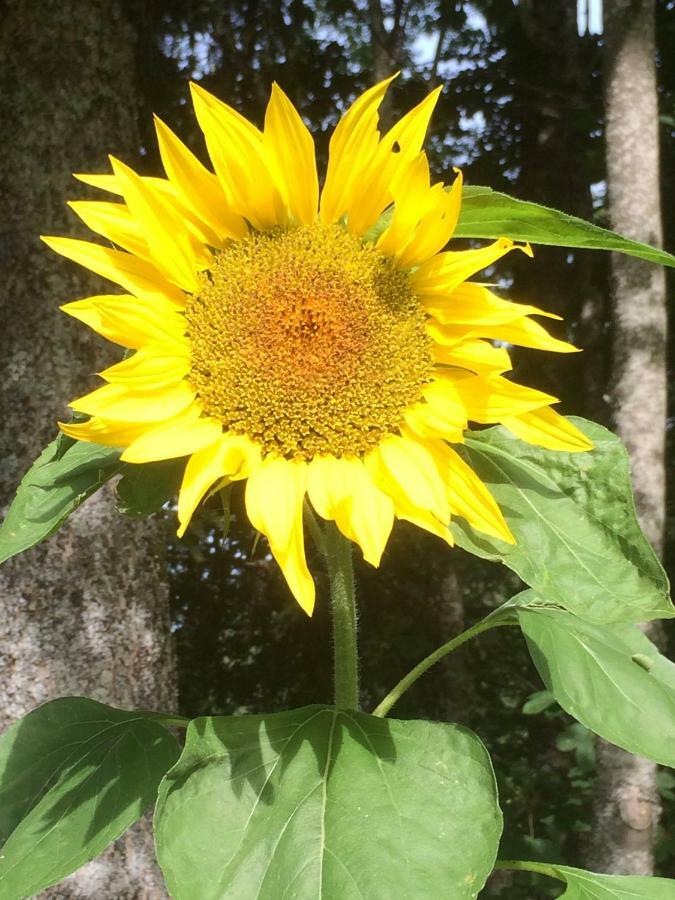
[(547, 428), (200, 188), (130, 321), (238, 154), (342, 490), (433, 421), (404, 140), (412, 198), (423, 519), (181, 436), (468, 496), (405, 470), (103, 431), (134, 274), (473, 304), (477, 356), (290, 149), (113, 401), (231, 456), (114, 222), (168, 240), (444, 272), (155, 366), (274, 499), (521, 332), (388, 165), (526, 332), (106, 182), (486, 399), (351, 149), (201, 232), (436, 226)]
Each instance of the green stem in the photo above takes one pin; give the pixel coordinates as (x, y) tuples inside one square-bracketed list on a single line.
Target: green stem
[(171, 721), (315, 530), (341, 575), (494, 620), (520, 866)]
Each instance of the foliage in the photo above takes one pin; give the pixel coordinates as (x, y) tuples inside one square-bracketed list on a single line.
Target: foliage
[(297, 800), (74, 775)]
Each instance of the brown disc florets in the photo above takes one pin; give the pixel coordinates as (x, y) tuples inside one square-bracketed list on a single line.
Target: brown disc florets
[(308, 341)]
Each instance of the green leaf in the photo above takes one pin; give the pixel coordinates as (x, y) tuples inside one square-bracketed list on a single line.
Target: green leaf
[(63, 476), (489, 214), (537, 703), (144, 489), (593, 673), (578, 543), (324, 803), (582, 885), (589, 886), (74, 775)]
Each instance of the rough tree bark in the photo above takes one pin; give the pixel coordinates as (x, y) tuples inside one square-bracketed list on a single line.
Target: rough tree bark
[(627, 807), (86, 612)]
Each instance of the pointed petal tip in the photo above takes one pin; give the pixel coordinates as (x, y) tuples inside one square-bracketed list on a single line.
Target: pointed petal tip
[(307, 603)]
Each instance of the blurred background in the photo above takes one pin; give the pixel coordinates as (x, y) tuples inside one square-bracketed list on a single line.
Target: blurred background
[(121, 610)]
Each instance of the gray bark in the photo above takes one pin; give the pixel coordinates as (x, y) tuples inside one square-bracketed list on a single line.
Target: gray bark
[(87, 612), (627, 806)]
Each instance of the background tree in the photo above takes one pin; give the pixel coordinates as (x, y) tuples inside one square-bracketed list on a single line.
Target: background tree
[(85, 613), (626, 805)]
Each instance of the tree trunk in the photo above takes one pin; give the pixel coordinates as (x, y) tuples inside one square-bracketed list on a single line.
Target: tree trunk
[(626, 803), (86, 612), (387, 51)]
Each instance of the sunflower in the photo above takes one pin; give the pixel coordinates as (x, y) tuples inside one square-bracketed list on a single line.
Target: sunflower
[(282, 339)]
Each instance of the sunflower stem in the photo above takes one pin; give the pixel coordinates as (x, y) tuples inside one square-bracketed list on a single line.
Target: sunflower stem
[(521, 866), (493, 620), (341, 576)]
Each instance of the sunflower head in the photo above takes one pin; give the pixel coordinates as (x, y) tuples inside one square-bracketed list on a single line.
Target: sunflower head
[(275, 343)]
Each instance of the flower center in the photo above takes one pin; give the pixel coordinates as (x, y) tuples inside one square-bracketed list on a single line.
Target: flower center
[(308, 341)]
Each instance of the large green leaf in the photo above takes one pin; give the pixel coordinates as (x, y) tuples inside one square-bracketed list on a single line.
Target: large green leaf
[(489, 214), (61, 478), (578, 541), (611, 678), (74, 775), (322, 803)]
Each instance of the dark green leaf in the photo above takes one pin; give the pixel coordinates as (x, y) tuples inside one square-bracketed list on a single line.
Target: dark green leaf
[(63, 476), (593, 673), (321, 803), (578, 541), (74, 775), (144, 489), (490, 214)]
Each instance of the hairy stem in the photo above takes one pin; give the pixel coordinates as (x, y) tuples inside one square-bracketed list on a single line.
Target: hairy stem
[(341, 574)]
